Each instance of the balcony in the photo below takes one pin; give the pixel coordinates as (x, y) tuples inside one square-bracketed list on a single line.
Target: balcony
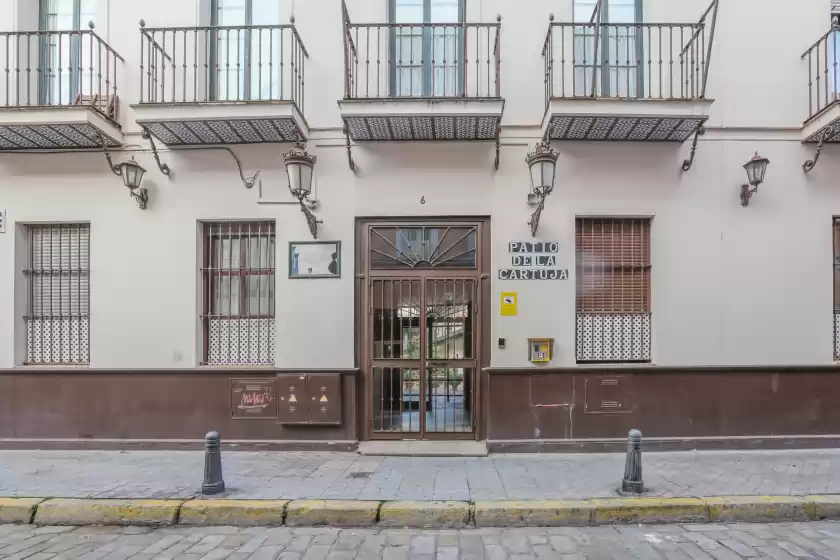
[(58, 90), (823, 122), (627, 82), (222, 85), (421, 81)]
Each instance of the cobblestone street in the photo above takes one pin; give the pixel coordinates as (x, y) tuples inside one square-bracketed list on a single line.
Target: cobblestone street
[(679, 542)]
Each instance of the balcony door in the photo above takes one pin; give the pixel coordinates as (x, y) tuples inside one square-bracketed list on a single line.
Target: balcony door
[(427, 48), (246, 55), (619, 65), (67, 58)]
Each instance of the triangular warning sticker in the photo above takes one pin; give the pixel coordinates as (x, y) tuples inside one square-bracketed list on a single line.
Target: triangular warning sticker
[(323, 398), (293, 399)]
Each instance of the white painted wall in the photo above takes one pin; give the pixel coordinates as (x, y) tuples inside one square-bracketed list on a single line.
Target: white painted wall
[(731, 285)]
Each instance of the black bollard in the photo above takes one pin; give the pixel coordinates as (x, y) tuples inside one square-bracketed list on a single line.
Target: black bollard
[(632, 483), (213, 483)]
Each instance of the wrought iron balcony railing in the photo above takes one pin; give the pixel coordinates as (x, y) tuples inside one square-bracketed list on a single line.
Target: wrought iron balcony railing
[(823, 75), (628, 61), (421, 60), (253, 63), (59, 69)]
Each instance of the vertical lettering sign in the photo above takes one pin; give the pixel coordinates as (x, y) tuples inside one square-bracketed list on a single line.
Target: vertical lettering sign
[(253, 399), (533, 261)]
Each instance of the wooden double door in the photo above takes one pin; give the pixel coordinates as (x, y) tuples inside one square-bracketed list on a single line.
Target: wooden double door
[(422, 329)]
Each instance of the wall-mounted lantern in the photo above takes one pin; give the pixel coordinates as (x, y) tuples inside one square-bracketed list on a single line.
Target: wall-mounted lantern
[(132, 175), (542, 165), (300, 166), (755, 168)]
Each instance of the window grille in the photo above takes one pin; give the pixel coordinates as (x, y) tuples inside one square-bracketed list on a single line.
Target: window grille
[(613, 290), (238, 276), (58, 306)]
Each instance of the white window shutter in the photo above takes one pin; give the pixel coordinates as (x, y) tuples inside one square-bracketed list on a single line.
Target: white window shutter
[(59, 294)]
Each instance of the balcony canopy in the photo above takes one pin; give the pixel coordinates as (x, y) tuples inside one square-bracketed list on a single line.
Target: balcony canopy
[(627, 81)]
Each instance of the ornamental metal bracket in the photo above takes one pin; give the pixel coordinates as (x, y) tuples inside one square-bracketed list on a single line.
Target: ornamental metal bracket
[(311, 220), (164, 168), (534, 222), (688, 163), (498, 147), (746, 194), (115, 169), (811, 163), (247, 182), (350, 161)]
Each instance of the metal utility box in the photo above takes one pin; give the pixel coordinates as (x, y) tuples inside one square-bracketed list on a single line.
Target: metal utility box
[(309, 399), (292, 400)]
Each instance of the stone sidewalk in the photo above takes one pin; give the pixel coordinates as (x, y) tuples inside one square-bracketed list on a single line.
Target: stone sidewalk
[(785, 541), (337, 476)]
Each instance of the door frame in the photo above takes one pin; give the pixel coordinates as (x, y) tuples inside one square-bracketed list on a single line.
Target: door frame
[(363, 280)]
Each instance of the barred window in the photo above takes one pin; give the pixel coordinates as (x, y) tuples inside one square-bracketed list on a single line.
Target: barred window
[(613, 289), (238, 293), (58, 306)]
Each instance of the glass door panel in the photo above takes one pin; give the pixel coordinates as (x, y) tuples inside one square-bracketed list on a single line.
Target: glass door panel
[(449, 402), (396, 355), (450, 355)]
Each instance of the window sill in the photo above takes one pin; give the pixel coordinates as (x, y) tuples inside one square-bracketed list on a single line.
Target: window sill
[(36, 367), (237, 366), (619, 365)]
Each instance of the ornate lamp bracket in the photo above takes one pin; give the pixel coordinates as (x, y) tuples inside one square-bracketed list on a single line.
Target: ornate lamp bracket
[(498, 147), (534, 222), (688, 163), (311, 220), (164, 168), (350, 161), (811, 163)]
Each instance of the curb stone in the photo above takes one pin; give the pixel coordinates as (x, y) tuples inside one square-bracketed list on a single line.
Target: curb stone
[(424, 515), (759, 509), (18, 510), (240, 513), (333, 513), (107, 512), (418, 514)]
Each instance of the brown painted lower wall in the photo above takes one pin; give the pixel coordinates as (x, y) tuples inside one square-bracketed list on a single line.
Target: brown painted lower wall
[(525, 409), (662, 403), (148, 405)]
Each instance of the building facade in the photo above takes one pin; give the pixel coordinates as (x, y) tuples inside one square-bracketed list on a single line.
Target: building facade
[(425, 286)]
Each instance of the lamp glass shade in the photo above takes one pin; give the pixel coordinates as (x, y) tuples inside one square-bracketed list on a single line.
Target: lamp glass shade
[(132, 173), (542, 175), (756, 168), (300, 177)]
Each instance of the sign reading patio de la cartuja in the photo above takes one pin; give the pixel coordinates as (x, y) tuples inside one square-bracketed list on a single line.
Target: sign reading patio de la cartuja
[(533, 261)]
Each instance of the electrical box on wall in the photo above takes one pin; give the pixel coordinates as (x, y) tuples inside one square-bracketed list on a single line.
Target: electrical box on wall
[(539, 350), (309, 399)]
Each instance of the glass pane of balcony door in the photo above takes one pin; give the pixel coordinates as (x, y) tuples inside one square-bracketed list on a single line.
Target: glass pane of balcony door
[(246, 60), (68, 59), (427, 45), (620, 49)]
